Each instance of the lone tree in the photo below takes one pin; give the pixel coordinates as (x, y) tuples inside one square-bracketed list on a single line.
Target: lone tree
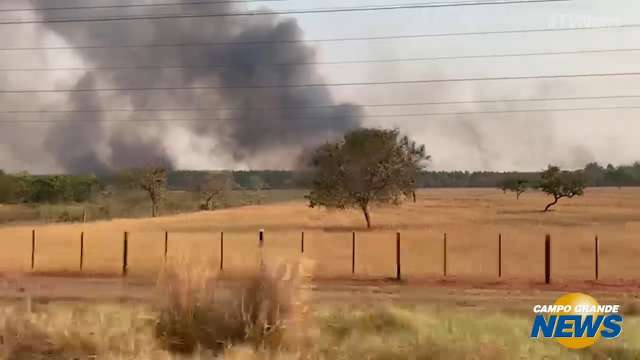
[(154, 182), (215, 190), (367, 166), (516, 185), (561, 184)]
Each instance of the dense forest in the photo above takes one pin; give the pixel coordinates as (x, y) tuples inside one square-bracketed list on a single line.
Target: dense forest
[(26, 188)]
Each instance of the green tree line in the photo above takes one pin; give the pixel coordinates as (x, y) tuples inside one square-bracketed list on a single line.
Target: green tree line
[(26, 188)]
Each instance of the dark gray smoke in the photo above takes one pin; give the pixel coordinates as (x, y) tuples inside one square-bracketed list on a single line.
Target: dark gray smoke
[(235, 126)]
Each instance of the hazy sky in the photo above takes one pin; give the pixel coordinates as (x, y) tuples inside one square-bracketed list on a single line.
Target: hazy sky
[(508, 141)]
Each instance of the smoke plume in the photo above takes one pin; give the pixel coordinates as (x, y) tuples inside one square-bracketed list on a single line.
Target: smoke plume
[(239, 124)]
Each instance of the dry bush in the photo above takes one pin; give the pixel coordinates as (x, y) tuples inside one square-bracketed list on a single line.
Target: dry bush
[(24, 338), (202, 311), (60, 332)]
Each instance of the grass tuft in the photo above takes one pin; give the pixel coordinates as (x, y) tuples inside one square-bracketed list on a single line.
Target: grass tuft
[(202, 311), (79, 332)]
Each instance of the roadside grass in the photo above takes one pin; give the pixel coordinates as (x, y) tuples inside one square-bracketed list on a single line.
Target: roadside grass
[(398, 333), (110, 331)]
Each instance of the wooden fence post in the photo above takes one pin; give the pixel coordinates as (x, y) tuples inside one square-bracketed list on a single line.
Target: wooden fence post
[(547, 259), (81, 250), (499, 256), (353, 253), (125, 253), (302, 243), (398, 273), (261, 239), (221, 250), (33, 249), (444, 256), (597, 255), (166, 245), (261, 246)]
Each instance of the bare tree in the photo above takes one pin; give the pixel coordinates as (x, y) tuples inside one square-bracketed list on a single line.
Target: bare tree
[(215, 190), (154, 182), (414, 158)]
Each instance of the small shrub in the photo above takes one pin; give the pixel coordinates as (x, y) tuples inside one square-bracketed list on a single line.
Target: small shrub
[(201, 312)]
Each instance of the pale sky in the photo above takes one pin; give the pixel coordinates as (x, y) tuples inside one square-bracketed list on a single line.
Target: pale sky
[(511, 141)]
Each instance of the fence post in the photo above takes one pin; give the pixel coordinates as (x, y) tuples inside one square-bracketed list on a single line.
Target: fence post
[(597, 255), (125, 253), (81, 250), (221, 250), (398, 273), (499, 256), (353, 253), (302, 243), (261, 246), (444, 256), (261, 239), (33, 249), (166, 245), (547, 259)]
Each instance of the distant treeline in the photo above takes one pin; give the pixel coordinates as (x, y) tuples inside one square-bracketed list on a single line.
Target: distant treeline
[(253, 179), (595, 175), (26, 188)]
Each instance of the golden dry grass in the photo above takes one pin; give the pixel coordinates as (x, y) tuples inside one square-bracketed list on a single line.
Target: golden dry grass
[(472, 219)]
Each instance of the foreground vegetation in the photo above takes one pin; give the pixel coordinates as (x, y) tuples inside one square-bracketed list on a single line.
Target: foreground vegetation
[(183, 327), (270, 314)]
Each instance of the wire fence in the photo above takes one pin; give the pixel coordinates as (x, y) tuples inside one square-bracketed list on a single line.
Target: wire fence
[(386, 254)]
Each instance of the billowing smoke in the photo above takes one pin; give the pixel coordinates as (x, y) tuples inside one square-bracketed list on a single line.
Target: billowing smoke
[(239, 124)]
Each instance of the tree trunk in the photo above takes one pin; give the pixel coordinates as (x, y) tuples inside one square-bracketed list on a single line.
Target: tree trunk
[(518, 195), (154, 205), (555, 201), (365, 210), (209, 203), (413, 194)]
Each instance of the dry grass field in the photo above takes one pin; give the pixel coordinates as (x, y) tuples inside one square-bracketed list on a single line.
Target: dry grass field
[(472, 219)]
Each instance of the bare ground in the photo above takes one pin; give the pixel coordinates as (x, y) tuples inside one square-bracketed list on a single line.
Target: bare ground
[(512, 295)]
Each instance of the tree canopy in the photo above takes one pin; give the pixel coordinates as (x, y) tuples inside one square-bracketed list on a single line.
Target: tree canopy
[(561, 184), (516, 185), (367, 166)]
